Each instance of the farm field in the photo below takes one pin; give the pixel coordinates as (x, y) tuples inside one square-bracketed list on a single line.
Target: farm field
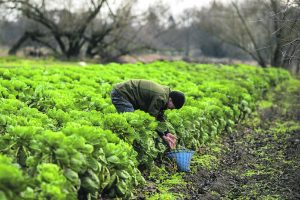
[(61, 137), (259, 160)]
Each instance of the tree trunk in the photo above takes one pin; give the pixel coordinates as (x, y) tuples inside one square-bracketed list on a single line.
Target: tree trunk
[(260, 58), (277, 57), (13, 50)]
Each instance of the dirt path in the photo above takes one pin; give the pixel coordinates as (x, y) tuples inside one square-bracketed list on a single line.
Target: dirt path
[(261, 159)]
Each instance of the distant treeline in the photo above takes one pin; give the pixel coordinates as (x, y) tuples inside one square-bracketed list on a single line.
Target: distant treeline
[(263, 31)]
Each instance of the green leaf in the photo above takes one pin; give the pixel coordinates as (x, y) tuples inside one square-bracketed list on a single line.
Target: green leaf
[(93, 163), (123, 174), (113, 159), (89, 184), (121, 188), (72, 176)]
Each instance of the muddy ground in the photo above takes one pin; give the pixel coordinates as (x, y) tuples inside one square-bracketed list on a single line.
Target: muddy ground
[(260, 160)]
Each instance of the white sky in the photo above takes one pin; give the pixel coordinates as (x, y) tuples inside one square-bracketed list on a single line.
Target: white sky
[(177, 6)]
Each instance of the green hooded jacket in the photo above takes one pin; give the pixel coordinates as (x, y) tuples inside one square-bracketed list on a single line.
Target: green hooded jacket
[(145, 95)]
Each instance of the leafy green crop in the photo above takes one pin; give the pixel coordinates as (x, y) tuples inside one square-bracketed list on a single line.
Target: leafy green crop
[(61, 137), (12, 181)]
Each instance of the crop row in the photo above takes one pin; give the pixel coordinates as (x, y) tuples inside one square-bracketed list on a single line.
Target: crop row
[(61, 138)]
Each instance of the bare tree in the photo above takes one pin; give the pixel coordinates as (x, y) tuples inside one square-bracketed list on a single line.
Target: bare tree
[(231, 26), (62, 28), (112, 39), (157, 26), (291, 46), (262, 29)]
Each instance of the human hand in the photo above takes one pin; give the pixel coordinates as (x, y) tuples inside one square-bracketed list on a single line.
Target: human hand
[(171, 140)]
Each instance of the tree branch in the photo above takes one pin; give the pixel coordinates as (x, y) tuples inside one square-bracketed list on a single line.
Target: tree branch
[(259, 56)]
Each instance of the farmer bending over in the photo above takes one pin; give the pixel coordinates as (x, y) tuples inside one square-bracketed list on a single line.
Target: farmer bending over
[(150, 97)]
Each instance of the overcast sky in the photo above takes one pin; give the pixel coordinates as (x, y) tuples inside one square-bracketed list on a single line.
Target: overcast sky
[(177, 6)]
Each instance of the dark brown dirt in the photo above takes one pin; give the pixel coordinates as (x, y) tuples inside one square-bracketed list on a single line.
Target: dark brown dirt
[(259, 160)]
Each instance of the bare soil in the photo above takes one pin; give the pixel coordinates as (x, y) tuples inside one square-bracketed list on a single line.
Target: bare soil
[(260, 160)]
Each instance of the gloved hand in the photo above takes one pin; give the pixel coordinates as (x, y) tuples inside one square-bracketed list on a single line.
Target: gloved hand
[(171, 140)]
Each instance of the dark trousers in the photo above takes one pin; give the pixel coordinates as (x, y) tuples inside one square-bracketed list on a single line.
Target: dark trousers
[(121, 104)]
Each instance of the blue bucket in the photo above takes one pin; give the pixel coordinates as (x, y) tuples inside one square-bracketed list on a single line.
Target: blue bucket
[(182, 158)]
